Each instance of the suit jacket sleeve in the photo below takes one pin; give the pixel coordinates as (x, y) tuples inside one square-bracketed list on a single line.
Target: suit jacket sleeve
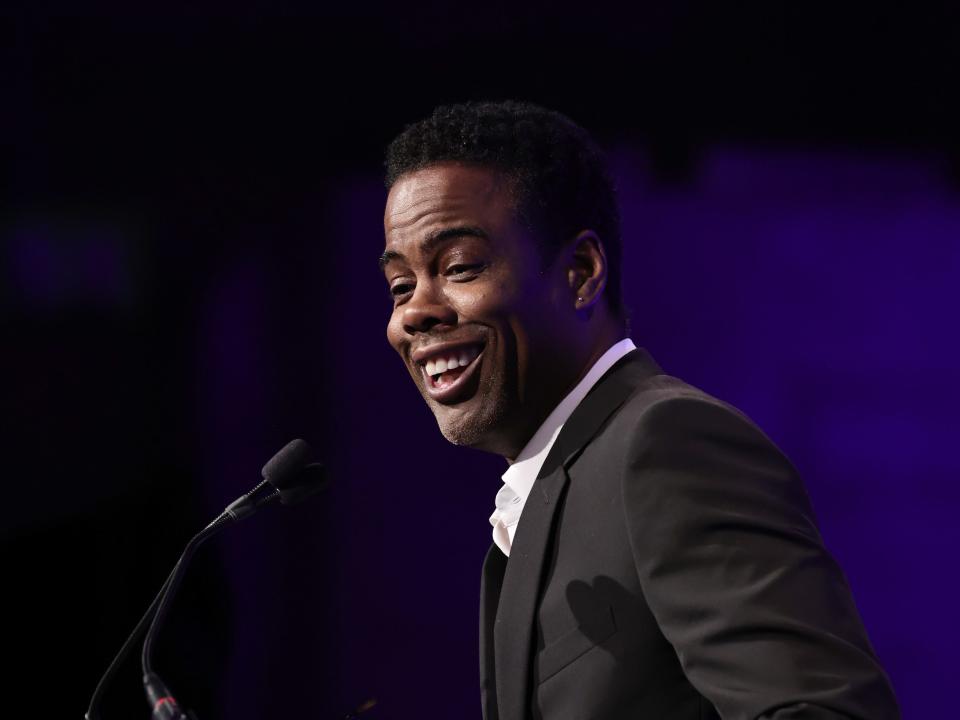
[(736, 574)]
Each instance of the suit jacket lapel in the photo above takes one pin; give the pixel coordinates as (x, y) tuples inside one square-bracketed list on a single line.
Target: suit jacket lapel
[(520, 592), (494, 565), (513, 629)]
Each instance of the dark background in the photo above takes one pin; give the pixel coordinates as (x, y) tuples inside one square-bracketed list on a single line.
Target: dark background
[(191, 210)]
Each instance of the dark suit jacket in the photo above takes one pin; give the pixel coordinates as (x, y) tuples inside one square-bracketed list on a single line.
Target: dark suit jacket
[(668, 565)]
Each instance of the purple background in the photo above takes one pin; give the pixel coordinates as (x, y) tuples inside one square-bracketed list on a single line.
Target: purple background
[(192, 214)]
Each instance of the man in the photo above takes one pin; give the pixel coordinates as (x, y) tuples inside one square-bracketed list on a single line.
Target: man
[(655, 555)]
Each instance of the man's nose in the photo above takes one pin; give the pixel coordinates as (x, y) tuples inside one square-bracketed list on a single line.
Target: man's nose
[(426, 310)]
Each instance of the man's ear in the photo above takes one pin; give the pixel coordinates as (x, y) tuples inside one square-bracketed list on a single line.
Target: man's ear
[(587, 272)]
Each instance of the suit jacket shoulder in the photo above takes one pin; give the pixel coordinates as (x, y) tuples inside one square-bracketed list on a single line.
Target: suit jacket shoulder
[(728, 557)]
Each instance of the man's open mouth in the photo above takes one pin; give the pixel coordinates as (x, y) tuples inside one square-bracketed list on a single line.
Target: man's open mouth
[(448, 370)]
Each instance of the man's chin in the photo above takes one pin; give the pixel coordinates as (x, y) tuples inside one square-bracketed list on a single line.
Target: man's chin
[(469, 423)]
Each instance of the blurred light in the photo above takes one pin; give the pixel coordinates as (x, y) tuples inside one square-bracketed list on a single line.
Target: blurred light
[(55, 265)]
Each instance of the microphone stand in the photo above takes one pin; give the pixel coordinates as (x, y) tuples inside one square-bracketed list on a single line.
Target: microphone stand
[(163, 704), (111, 671), (287, 478), (161, 700)]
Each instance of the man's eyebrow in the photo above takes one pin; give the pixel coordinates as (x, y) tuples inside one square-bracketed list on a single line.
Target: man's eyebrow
[(434, 240)]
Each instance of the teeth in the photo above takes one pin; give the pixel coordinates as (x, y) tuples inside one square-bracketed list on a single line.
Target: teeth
[(460, 358)]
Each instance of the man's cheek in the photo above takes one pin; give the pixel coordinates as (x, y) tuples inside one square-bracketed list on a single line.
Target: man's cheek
[(395, 334)]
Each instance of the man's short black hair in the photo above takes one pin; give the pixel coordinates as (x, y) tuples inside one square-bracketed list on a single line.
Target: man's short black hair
[(559, 172)]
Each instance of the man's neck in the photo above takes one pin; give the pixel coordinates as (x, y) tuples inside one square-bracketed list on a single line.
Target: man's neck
[(533, 424)]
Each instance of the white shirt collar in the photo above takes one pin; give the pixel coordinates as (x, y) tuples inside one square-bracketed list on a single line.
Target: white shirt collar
[(519, 478)]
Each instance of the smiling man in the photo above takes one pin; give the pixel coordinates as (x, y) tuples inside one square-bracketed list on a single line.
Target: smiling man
[(654, 554)]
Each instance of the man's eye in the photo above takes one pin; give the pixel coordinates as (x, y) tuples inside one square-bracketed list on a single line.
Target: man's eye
[(464, 269), (400, 289)]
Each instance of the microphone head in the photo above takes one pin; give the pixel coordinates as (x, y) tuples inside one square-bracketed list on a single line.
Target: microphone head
[(286, 463), (311, 479)]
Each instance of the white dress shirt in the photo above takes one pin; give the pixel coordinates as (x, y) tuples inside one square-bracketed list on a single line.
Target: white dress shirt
[(520, 476)]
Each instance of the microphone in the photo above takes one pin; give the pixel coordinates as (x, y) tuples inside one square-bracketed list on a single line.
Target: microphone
[(287, 477)]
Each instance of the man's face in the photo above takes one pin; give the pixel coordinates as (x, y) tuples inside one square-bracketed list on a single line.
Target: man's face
[(475, 315)]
